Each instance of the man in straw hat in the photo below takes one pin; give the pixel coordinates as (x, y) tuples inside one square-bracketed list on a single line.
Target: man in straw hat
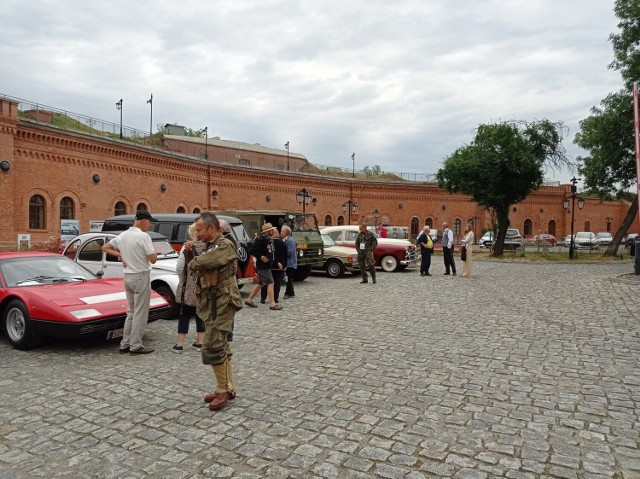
[(262, 250)]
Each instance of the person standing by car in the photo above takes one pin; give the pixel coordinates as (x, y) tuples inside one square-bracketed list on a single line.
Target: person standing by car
[(218, 301), (279, 267), (365, 243), (447, 250), (262, 250), (467, 246), (426, 250), (292, 259), (135, 248), (186, 294)]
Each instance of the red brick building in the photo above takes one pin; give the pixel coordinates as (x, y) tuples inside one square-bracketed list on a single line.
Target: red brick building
[(48, 174)]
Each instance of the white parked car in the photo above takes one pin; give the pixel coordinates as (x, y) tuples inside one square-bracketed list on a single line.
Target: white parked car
[(604, 238), (86, 250)]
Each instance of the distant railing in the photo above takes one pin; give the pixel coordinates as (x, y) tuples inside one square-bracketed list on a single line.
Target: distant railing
[(88, 125), (95, 127)]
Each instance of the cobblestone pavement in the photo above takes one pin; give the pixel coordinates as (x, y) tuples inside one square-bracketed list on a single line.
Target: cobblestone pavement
[(523, 371)]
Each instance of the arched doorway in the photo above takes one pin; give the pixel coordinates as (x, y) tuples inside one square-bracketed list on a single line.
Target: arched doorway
[(551, 227)]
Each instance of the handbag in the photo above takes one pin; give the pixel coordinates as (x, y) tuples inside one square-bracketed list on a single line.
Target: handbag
[(463, 253)]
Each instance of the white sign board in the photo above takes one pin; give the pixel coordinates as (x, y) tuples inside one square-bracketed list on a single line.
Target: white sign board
[(24, 242), (69, 229), (95, 226)]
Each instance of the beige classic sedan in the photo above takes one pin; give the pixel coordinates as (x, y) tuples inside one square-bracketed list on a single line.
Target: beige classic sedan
[(337, 259)]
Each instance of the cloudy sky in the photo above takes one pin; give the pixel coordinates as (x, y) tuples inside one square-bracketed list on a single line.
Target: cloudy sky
[(402, 83)]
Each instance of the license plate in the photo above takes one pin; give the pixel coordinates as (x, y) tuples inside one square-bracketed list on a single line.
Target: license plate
[(248, 280), (116, 333)]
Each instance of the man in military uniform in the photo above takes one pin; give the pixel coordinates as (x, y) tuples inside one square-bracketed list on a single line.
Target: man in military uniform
[(218, 300), (365, 242)]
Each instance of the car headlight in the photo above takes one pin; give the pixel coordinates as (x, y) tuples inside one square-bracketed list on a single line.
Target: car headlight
[(300, 253), (319, 252)]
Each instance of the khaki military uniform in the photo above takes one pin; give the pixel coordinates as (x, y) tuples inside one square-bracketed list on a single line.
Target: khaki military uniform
[(365, 242), (218, 297)]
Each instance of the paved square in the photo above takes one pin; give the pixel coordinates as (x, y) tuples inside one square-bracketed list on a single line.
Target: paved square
[(523, 371)]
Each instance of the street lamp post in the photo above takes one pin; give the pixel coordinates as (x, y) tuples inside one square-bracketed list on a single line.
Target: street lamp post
[(349, 206), (475, 222), (565, 204), (205, 132), (304, 198), (150, 102), (286, 145), (375, 215), (353, 167), (119, 107)]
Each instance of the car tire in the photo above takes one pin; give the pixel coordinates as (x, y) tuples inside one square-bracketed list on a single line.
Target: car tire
[(165, 291), (334, 268), (17, 326), (389, 263)]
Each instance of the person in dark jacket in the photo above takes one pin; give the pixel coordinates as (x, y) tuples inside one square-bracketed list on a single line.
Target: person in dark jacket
[(278, 268), (263, 251)]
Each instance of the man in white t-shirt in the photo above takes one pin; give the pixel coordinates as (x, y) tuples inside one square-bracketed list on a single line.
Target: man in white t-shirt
[(135, 249)]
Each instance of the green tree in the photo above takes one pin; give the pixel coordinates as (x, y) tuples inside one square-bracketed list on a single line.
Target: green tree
[(607, 134), (503, 165), (370, 171)]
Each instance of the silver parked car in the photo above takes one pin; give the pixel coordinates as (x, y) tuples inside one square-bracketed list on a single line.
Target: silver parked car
[(605, 238), (586, 239)]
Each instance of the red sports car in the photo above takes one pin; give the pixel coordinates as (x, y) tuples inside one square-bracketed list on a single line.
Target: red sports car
[(48, 295)]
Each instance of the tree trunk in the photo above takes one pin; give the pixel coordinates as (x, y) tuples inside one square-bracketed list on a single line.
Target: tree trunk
[(502, 217), (624, 227)]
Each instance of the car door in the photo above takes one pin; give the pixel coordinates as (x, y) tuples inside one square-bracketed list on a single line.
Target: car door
[(90, 256)]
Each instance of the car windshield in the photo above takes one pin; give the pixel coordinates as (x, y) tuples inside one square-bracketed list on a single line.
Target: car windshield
[(40, 270), (583, 235), (164, 249), (328, 241), (604, 235), (302, 222)]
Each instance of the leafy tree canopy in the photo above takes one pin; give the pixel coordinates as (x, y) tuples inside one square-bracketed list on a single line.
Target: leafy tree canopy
[(503, 164)]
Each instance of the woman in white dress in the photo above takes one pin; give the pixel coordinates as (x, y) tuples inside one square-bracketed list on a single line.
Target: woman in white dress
[(467, 241)]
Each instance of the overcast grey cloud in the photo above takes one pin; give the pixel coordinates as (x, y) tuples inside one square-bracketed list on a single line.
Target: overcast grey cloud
[(401, 83)]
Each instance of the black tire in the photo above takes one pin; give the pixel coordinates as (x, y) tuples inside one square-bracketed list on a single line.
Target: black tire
[(334, 268), (16, 323), (302, 272), (165, 291)]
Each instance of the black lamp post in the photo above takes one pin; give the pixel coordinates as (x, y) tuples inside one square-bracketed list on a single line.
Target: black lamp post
[(304, 198), (565, 204), (349, 206), (286, 145), (205, 132), (150, 102), (353, 167), (375, 215), (119, 107)]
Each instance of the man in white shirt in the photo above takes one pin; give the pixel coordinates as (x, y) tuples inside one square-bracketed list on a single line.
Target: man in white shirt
[(447, 250), (135, 248)]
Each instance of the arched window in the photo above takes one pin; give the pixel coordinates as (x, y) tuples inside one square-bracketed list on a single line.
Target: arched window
[(457, 227), (36, 213), (340, 220), (528, 227), (141, 207), (120, 209), (327, 220), (429, 222), (66, 208), (414, 227), (196, 210), (587, 225), (181, 210), (551, 227)]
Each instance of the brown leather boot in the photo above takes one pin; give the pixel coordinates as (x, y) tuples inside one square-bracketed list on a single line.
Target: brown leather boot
[(221, 397)]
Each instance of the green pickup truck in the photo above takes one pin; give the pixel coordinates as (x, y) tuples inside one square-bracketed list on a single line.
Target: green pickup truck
[(304, 229)]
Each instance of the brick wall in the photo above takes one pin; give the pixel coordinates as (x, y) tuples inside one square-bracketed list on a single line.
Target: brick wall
[(55, 164)]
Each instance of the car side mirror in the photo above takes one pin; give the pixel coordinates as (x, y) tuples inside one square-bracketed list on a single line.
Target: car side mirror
[(100, 274)]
